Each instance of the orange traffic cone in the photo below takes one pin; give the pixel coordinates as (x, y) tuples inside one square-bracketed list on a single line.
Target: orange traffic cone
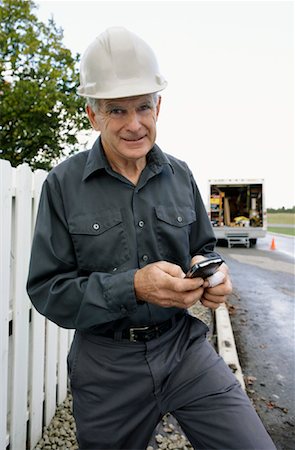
[(273, 245)]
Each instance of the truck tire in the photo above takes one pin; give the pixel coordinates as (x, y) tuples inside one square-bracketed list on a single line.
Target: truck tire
[(253, 242)]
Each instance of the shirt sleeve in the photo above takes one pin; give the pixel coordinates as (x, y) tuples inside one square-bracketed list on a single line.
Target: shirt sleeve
[(202, 238), (56, 287)]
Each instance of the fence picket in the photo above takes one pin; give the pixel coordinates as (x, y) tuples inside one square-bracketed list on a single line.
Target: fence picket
[(62, 365), (37, 344), (21, 308), (36, 384), (50, 370), (5, 242)]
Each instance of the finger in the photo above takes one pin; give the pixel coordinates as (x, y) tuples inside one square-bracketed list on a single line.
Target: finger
[(209, 304), (223, 268), (216, 278), (215, 299), (183, 285), (221, 289), (183, 300), (169, 268), (197, 258)]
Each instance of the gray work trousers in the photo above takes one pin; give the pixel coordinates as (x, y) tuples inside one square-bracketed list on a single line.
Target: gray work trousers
[(122, 389)]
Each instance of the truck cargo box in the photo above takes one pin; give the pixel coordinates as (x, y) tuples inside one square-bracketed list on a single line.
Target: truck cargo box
[(237, 210)]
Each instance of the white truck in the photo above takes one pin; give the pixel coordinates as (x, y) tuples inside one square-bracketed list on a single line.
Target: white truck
[(237, 210)]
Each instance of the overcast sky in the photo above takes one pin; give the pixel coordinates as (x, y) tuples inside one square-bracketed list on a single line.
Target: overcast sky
[(228, 110)]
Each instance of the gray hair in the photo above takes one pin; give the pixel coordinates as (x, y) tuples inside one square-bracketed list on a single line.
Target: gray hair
[(95, 103)]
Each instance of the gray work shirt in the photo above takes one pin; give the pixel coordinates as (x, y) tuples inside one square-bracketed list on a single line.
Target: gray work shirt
[(95, 228)]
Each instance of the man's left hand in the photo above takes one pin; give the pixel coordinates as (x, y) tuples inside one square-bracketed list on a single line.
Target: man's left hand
[(214, 296)]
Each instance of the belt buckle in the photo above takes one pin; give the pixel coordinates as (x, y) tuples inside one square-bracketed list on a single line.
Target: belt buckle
[(132, 332)]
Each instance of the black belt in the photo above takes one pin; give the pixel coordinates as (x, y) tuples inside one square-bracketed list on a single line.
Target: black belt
[(143, 333)]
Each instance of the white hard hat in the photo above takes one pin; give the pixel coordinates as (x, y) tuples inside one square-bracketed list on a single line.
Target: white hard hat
[(119, 64)]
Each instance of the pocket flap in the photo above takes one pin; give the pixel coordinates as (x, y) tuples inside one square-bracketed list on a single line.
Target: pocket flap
[(94, 223), (178, 217)]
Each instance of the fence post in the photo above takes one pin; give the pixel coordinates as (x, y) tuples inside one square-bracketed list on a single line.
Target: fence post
[(5, 249)]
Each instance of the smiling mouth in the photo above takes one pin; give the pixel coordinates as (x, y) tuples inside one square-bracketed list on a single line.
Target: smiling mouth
[(134, 139)]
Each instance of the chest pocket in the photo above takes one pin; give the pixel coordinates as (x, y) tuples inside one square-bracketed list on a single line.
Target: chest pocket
[(100, 240), (173, 233)]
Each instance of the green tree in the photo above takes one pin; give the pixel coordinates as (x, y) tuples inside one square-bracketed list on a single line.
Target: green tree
[(40, 111)]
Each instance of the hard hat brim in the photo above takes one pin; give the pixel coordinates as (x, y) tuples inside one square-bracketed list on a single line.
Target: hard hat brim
[(121, 91)]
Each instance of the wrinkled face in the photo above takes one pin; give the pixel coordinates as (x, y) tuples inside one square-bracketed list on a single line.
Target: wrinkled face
[(127, 126)]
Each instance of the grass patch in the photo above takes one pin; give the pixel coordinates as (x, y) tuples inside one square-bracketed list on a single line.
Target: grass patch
[(287, 231), (281, 218)]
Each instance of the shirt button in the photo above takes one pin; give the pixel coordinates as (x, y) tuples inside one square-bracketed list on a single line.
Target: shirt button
[(179, 219), (123, 309), (95, 226), (141, 223), (145, 258)]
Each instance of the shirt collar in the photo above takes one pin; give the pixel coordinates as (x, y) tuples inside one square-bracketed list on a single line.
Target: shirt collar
[(96, 159), (158, 158)]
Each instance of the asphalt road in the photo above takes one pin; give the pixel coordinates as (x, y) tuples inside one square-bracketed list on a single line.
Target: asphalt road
[(262, 315)]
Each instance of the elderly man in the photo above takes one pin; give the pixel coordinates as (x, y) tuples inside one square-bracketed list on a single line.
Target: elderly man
[(118, 228)]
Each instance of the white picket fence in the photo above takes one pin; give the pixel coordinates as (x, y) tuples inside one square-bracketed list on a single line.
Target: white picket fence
[(33, 372)]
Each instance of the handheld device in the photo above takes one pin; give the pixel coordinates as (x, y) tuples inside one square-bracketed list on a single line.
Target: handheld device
[(205, 268)]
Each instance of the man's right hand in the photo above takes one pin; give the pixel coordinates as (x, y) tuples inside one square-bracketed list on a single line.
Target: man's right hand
[(164, 284)]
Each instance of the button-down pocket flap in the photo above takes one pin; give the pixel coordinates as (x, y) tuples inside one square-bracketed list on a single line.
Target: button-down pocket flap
[(94, 224), (178, 217)]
